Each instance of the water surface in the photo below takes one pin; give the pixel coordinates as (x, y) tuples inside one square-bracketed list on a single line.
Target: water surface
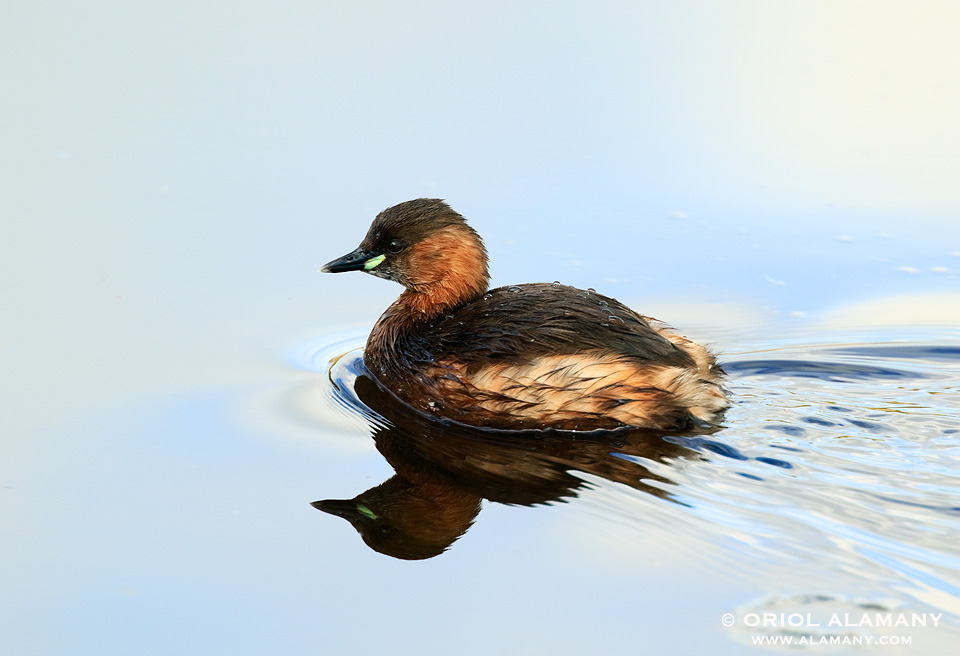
[(179, 383), (835, 469)]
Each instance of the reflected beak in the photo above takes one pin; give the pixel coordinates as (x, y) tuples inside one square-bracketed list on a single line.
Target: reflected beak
[(358, 260), (347, 508)]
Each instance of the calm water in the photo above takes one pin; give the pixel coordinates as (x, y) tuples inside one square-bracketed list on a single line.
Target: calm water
[(836, 469), (179, 384)]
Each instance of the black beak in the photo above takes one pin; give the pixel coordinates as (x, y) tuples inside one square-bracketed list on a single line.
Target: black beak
[(346, 508), (354, 261)]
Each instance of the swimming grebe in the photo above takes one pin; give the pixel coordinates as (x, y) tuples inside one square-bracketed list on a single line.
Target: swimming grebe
[(538, 355)]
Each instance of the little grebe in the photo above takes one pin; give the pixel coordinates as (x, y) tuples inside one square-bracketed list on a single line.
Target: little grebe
[(527, 356)]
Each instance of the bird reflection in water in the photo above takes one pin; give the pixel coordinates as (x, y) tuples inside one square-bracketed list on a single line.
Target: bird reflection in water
[(444, 470)]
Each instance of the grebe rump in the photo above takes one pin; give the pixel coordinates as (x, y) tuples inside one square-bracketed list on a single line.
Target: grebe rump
[(526, 356)]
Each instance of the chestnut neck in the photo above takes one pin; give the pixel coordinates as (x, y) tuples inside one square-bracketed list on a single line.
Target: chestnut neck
[(446, 270), (440, 274), (436, 299)]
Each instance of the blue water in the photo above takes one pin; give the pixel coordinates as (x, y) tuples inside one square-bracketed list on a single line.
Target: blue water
[(179, 383), (836, 463)]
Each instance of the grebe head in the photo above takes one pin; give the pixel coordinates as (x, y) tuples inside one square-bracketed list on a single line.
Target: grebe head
[(426, 247)]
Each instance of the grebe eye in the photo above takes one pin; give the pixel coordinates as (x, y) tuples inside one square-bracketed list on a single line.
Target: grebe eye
[(395, 246)]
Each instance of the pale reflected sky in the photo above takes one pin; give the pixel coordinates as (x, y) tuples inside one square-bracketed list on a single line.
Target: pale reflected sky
[(750, 104), (172, 174)]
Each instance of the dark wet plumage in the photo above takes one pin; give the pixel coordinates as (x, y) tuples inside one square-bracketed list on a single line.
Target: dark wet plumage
[(522, 356)]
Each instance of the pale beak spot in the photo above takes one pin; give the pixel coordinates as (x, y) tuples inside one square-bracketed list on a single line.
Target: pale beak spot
[(366, 512), (374, 262)]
